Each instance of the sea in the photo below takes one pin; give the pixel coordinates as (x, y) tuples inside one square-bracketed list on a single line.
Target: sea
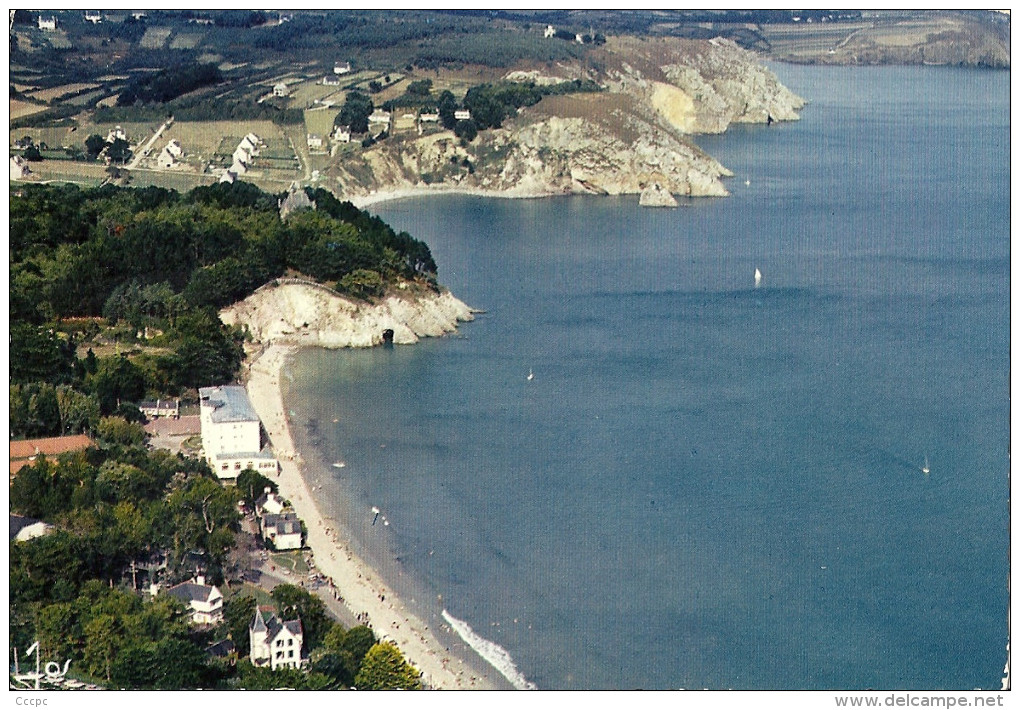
[(637, 468)]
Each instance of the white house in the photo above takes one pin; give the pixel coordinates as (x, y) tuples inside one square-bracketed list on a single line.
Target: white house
[(154, 409), (241, 155), (48, 23), (250, 143), (314, 141), (165, 159), (228, 176), (331, 80), (238, 168), (380, 118), (115, 133), (281, 90), (429, 117), (342, 68), (174, 148), (93, 16), (550, 31), (275, 643), (232, 433), (462, 114), (204, 601), (19, 168), (342, 134), (268, 503), (282, 530)]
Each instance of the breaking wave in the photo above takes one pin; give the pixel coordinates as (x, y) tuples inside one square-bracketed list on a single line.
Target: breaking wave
[(496, 655)]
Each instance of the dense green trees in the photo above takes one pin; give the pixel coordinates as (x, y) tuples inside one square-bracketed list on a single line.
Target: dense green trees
[(355, 112), (168, 83), (156, 265), (384, 668)]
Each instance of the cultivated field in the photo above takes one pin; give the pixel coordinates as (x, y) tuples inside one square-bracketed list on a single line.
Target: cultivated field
[(320, 120), (57, 92), (306, 94), (66, 171), (186, 40), (155, 37), (23, 108)]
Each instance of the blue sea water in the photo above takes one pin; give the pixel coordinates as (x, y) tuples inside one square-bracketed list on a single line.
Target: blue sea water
[(709, 485)]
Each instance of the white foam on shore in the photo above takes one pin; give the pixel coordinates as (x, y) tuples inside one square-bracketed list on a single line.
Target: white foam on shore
[(493, 653)]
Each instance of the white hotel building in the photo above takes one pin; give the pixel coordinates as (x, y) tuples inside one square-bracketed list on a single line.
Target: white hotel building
[(232, 433)]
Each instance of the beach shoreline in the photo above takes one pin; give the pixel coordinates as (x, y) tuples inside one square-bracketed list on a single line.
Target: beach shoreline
[(361, 588), (390, 194)]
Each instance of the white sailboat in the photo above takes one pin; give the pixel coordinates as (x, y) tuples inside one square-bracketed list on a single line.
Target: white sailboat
[(925, 469), (531, 375), (757, 278)]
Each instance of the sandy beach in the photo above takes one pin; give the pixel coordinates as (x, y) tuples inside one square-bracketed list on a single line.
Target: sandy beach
[(362, 590), (363, 201)]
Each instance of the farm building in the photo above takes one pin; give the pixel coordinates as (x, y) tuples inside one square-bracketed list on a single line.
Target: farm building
[(281, 90)]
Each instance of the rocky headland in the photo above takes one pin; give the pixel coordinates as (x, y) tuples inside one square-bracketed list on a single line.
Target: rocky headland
[(635, 134), (303, 313)]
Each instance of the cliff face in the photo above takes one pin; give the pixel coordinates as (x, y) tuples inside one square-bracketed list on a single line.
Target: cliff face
[(634, 135), (299, 313)]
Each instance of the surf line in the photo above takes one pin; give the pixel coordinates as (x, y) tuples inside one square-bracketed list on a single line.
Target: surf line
[(497, 656)]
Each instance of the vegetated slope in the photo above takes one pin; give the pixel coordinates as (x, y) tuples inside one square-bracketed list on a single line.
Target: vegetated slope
[(634, 134)]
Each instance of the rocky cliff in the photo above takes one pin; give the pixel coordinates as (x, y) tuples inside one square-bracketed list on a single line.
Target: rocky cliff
[(634, 134), (303, 313)]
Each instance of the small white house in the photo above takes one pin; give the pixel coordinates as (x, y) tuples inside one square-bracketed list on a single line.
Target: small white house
[(268, 503), (228, 176), (48, 23), (165, 159), (238, 168), (165, 408), (250, 144), (241, 155), (275, 643), (342, 134), (462, 114), (315, 141), (281, 90), (379, 120), (342, 68), (93, 16), (174, 148), (116, 133), (550, 31), (282, 531), (204, 601), (19, 168), (429, 117), (331, 80)]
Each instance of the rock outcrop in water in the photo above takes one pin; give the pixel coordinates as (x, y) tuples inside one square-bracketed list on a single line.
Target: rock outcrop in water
[(635, 134)]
